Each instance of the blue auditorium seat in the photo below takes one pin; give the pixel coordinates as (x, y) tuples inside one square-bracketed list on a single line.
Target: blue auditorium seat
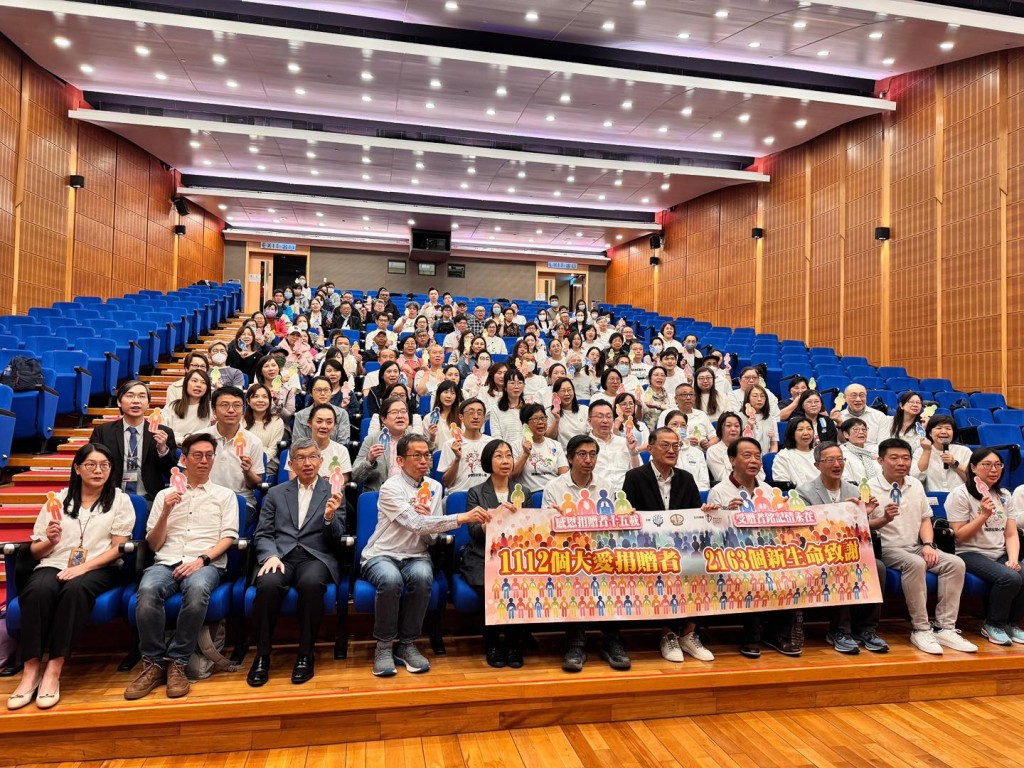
[(990, 400)]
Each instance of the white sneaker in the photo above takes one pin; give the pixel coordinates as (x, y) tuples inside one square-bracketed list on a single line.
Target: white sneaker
[(925, 640), (691, 644), (670, 650), (951, 639)]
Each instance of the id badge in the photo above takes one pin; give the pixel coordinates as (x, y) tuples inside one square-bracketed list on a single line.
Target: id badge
[(77, 556), (129, 477)]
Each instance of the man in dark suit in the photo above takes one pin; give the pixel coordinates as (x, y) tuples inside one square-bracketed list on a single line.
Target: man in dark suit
[(297, 529), (657, 486), (143, 458), (346, 318)]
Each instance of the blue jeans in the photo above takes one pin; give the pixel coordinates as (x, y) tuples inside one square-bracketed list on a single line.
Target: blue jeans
[(157, 585), (1006, 596), (395, 614)]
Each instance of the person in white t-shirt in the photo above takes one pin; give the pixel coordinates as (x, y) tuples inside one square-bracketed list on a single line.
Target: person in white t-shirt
[(566, 417), (750, 377), (795, 462), (333, 455), (939, 462), (460, 459), (539, 458)]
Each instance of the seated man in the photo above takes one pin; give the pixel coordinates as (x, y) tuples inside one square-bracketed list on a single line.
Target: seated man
[(582, 453), (396, 558), (878, 423), (904, 521), (658, 486), (460, 458), (239, 464), (745, 458), (851, 626), (618, 454), (222, 374), (294, 541), (189, 534)]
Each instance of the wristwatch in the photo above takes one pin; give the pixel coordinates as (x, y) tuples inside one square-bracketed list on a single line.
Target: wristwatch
[(930, 544), (206, 559)]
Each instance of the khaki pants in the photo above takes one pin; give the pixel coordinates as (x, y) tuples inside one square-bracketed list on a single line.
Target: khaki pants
[(950, 570)]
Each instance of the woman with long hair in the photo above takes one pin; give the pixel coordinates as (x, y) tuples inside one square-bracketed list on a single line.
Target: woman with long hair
[(191, 412), (388, 375), (494, 386), (283, 388), (709, 399), (758, 422), (729, 429), (260, 419), (245, 351), (566, 417), (906, 421), (76, 540), (445, 406), (505, 421)]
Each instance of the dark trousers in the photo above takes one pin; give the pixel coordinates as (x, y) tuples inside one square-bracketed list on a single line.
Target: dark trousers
[(310, 578), (773, 624), (1006, 596), (53, 613)]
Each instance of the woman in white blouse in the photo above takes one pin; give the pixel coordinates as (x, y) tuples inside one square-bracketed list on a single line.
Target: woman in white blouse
[(729, 429), (939, 462), (795, 462), (504, 418), (261, 421), (861, 457), (566, 417), (191, 413), (75, 539)]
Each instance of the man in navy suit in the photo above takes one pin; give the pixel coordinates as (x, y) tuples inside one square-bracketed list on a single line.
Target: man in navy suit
[(297, 531)]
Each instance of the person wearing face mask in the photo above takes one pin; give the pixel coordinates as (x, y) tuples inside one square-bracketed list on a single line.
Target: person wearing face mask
[(654, 357), (292, 305), (553, 302), (579, 322), (544, 324), (690, 353), (275, 319), (221, 374), (298, 351)]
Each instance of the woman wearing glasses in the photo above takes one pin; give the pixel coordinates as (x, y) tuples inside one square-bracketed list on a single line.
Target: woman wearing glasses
[(984, 523), (75, 539)]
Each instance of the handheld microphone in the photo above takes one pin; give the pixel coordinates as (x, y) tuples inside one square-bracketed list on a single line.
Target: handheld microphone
[(945, 449)]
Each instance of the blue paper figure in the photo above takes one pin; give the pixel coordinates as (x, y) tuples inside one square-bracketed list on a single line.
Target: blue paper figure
[(746, 503), (604, 504), (895, 494)]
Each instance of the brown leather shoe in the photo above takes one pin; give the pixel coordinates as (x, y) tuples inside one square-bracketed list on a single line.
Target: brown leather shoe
[(177, 682), (149, 678)]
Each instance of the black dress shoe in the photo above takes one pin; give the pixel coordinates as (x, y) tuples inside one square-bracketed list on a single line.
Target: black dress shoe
[(496, 656), (782, 645), (302, 672), (514, 657), (259, 672)]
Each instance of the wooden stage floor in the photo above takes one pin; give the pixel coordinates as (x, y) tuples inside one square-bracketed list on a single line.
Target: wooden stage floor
[(344, 703)]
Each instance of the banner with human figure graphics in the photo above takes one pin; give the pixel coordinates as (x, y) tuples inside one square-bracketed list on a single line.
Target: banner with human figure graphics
[(548, 566)]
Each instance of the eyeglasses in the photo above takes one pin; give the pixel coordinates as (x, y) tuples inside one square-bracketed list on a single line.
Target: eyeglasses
[(832, 461), (135, 396), (308, 459), (670, 447), (202, 456), (92, 466), (991, 465), (418, 456), (397, 412), (321, 390), (586, 454)]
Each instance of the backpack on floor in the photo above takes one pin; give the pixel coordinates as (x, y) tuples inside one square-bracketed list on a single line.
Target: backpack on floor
[(207, 657)]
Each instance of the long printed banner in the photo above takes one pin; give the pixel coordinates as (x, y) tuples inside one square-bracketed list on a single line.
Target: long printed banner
[(545, 566)]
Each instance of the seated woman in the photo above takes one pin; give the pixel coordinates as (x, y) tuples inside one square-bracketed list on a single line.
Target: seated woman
[(265, 333), (758, 421), (939, 462), (297, 351), (611, 386), (475, 379), (493, 494), (432, 373), (539, 457), (795, 462), (797, 386), (690, 457), (388, 375), (629, 415), (657, 399), (245, 351), (811, 406), (341, 387), (445, 404), (495, 343), (283, 389), (582, 381), (504, 418), (906, 421), (408, 358), (861, 456), (262, 422), (76, 543), (399, 390), (376, 459), (709, 397), (566, 417), (191, 412), (194, 361), (985, 527), (729, 429), (494, 387), (320, 394)]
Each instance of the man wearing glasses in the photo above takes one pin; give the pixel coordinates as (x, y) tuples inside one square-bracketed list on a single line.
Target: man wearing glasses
[(851, 626), (189, 533), (660, 486), (395, 557), (239, 463)]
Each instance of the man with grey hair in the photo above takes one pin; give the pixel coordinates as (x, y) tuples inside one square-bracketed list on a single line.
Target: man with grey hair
[(297, 532), (477, 319), (851, 626), (857, 407)]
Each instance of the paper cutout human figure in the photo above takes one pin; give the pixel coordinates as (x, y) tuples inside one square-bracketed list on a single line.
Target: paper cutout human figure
[(605, 506), (215, 376), (53, 506), (697, 434), (746, 503), (527, 432), (985, 490), (761, 502), (865, 490), (630, 426), (812, 384), (384, 438), (337, 479), (435, 417), (423, 494), (456, 431), (929, 411), (239, 445), (796, 504), (586, 505), (895, 494), (556, 404), (517, 497), (778, 500), (155, 419), (840, 402), (178, 482), (276, 383), (622, 504), (568, 506)]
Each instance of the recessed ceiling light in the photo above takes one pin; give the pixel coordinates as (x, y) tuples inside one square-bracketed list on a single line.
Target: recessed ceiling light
[(87, 69), (501, 90), (219, 59), (645, 201), (451, 5), (608, 26), (142, 50), (823, 54), (721, 14), (366, 228), (62, 42), (311, 155), (366, 218), (511, 190), (557, 193), (207, 162), (570, 179), (366, 160), (366, 177), (367, 97), (683, 35), (550, 118), (497, 229), (947, 45), (663, 129), (490, 237), (753, 44), (532, 16), (769, 140), (491, 112), (579, 234), (300, 91), (521, 175), (801, 123), (618, 182), (430, 105), (618, 237), (639, 3), (261, 167), (799, 25), (420, 166), (294, 68), (455, 225), (666, 187), (463, 185), (222, 207), (195, 144), (415, 181), (435, 83), (744, 118), (231, 84), (565, 98), (411, 222), (159, 75), (716, 135), (254, 150), (271, 210), (686, 111), (627, 104), (889, 62), (875, 36), (366, 76), (607, 123), (471, 171), (539, 231), (314, 172), (601, 198), (319, 214)]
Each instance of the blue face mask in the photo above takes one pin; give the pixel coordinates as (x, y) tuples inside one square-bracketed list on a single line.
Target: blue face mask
[(287, 294)]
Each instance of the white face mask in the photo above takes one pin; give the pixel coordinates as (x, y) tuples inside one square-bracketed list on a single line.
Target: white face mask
[(302, 326), (219, 358), (655, 350)]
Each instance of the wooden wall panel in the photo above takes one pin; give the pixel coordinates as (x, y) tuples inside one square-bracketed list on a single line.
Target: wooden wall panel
[(785, 282), (827, 167), (10, 120), (1015, 225)]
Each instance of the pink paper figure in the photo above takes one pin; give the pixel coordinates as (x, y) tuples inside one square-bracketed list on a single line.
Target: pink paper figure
[(155, 419), (586, 505), (337, 480), (556, 404), (985, 490), (53, 506), (239, 445), (178, 482), (761, 502)]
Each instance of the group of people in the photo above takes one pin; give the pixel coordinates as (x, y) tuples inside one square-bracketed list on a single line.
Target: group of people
[(576, 403)]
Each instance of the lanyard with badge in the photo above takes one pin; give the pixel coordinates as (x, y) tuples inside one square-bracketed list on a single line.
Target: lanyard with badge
[(79, 554)]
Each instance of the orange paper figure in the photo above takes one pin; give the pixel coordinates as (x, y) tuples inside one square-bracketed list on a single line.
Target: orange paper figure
[(53, 506), (629, 426), (178, 482), (568, 506), (423, 494), (239, 445), (456, 431), (155, 419)]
